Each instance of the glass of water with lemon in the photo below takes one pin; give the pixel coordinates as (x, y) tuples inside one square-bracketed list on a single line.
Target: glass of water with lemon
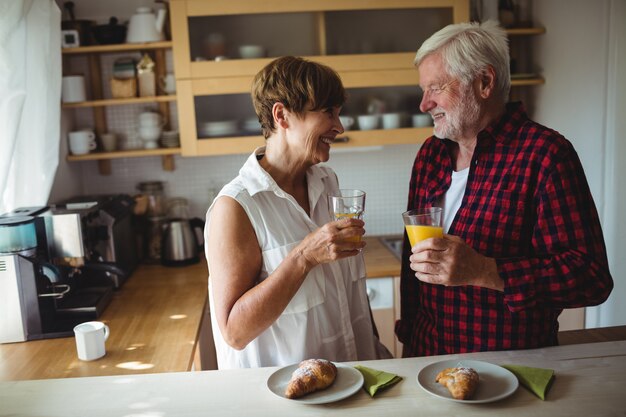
[(347, 203)]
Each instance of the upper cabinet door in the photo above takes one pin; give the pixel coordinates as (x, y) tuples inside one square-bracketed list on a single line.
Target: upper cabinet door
[(237, 38)]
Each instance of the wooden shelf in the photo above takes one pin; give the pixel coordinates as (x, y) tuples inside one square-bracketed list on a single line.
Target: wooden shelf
[(120, 47), (521, 82), (525, 31), (95, 156), (119, 101), (98, 105)]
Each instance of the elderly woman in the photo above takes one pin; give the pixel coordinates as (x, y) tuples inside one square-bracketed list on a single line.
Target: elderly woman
[(285, 281)]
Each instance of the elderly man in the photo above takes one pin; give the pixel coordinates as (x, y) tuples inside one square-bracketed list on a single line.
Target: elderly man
[(523, 240)]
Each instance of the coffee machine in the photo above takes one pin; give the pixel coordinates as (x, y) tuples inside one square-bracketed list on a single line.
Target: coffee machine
[(93, 233), (39, 299)]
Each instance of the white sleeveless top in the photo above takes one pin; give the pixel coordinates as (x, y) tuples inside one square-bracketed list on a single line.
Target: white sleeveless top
[(329, 316)]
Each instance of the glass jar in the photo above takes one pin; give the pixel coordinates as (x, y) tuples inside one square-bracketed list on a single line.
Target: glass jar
[(153, 239), (156, 197), (178, 208)]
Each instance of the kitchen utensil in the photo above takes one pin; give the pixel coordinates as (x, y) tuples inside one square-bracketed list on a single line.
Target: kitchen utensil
[(149, 118), (167, 84), (392, 120), (111, 33), (219, 128), (421, 224), (90, 338), (347, 122), (251, 51), (181, 245), (145, 26), (109, 141), (368, 121), (73, 89), (422, 120), (82, 142), (156, 198), (18, 235), (347, 203), (170, 139)]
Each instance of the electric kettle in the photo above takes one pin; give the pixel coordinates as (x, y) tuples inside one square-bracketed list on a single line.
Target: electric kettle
[(181, 245), (144, 26)]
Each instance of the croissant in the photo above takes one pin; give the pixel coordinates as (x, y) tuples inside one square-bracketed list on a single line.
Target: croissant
[(310, 376), (461, 382)]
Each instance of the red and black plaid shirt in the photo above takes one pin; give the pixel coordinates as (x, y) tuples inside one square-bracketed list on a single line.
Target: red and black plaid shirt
[(528, 205)]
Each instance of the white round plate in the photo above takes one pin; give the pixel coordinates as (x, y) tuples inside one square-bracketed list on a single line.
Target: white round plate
[(348, 381), (495, 382)]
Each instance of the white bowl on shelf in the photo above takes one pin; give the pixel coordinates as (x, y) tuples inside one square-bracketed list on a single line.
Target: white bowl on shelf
[(219, 128), (252, 125), (251, 51)]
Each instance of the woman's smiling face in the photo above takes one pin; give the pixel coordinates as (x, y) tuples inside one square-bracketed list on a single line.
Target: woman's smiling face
[(314, 132)]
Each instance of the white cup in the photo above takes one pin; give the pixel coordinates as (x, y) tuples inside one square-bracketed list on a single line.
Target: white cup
[(109, 142), (150, 133), (73, 89), (368, 121), (90, 338), (82, 142), (149, 118), (422, 120), (168, 84), (392, 120), (347, 122)]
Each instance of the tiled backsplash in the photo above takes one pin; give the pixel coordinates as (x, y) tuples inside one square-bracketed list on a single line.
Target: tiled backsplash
[(383, 173)]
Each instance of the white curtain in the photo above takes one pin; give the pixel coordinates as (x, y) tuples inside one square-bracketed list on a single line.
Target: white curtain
[(30, 96)]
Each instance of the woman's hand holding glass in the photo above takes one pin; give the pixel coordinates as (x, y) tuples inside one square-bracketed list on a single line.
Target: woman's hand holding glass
[(335, 240)]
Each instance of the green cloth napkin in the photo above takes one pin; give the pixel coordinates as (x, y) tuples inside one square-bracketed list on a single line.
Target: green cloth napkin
[(537, 380), (376, 380)]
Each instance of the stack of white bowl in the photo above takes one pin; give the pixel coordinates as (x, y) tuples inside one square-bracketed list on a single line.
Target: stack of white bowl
[(150, 126)]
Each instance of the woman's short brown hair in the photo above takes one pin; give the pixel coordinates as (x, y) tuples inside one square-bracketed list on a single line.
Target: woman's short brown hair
[(298, 84)]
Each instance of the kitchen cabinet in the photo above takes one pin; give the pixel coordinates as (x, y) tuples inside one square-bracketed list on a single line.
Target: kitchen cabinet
[(383, 291), (98, 103), (337, 33)]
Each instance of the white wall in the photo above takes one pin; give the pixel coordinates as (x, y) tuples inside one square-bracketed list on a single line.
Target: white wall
[(581, 55)]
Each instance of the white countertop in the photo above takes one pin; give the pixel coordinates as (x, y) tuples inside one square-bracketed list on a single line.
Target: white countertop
[(590, 380)]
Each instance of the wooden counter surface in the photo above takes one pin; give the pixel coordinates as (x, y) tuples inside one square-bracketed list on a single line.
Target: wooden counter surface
[(154, 321), (379, 261)]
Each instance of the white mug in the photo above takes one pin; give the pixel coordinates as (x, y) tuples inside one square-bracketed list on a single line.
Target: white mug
[(168, 84), (90, 338), (368, 121), (347, 122), (391, 120), (73, 89), (82, 142), (422, 120), (149, 118)]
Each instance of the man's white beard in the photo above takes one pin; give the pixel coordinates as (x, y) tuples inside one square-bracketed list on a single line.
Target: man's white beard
[(458, 120)]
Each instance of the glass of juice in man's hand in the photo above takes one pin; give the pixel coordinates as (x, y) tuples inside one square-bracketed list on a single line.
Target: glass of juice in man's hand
[(422, 224), (347, 203)]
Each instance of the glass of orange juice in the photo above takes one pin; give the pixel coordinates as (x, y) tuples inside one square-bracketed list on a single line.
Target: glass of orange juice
[(422, 224), (347, 203)]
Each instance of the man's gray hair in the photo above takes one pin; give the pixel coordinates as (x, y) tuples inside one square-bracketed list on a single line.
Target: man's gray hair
[(468, 48)]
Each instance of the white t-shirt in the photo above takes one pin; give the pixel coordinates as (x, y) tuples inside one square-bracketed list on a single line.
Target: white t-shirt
[(329, 316), (454, 197)]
